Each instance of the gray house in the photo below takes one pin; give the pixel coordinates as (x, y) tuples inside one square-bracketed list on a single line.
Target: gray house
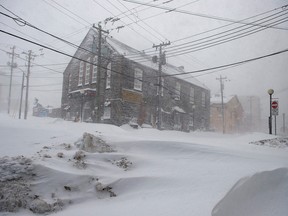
[(127, 89)]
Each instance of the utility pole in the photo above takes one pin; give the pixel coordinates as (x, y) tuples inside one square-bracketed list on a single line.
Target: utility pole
[(30, 57), (222, 102), (162, 61), (99, 74), (12, 65), (21, 98), (284, 129)]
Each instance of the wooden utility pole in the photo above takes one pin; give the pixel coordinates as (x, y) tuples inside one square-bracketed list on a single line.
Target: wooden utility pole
[(27, 84), (21, 97), (30, 57), (99, 106), (161, 62), (222, 102), (12, 65)]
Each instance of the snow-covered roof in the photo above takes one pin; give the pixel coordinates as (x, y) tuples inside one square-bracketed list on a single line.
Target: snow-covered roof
[(216, 99), (146, 60), (178, 109)]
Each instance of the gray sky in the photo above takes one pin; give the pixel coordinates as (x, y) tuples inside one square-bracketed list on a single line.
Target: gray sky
[(73, 22)]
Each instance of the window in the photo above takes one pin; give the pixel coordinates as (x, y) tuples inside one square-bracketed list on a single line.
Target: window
[(192, 95), (81, 71), (69, 82), (203, 99), (108, 78), (107, 112), (177, 91), (94, 75), (87, 74), (138, 75)]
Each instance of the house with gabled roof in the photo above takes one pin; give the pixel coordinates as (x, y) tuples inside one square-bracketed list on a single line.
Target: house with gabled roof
[(226, 115), (128, 89)]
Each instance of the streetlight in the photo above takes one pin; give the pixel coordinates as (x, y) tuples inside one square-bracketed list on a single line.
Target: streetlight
[(270, 92)]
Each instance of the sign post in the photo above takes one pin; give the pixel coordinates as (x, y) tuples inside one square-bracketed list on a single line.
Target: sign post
[(275, 111)]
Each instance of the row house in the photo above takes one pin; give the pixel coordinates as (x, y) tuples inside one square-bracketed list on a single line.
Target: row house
[(127, 89), (232, 121)]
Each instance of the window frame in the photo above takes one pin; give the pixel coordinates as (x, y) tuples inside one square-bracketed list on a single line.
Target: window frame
[(81, 73), (203, 99), (108, 77), (95, 70), (192, 95), (138, 75), (177, 90), (87, 72)]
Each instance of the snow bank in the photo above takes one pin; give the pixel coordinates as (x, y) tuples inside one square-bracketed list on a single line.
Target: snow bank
[(279, 142), (263, 194)]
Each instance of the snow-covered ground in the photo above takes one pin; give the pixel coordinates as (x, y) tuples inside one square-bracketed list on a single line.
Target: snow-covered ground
[(145, 172)]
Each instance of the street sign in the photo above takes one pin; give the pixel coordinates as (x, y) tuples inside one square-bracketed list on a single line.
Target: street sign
[(274, 104), (275, 108), (275, 111)]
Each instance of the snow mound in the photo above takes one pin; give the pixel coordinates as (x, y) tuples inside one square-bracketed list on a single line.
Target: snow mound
[(92, 144), (17, 173), (275, 143), (263, 194)]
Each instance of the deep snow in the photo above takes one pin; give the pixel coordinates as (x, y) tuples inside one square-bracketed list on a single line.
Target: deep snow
[(151, 172)]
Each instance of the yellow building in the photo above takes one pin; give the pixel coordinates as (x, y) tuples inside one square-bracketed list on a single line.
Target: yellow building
[(233, 112)]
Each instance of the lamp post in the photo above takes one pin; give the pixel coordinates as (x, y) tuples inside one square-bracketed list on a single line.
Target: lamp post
[(270, 92)]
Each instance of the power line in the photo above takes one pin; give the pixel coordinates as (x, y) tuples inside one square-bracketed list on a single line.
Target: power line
[(227, 65), (283, 8), (122, 22), (64, 12), (171, 75), (198, 14), (223, 39), (204, 44)]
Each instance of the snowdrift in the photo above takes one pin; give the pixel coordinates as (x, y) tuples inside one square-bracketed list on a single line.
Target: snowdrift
[(263, 194)]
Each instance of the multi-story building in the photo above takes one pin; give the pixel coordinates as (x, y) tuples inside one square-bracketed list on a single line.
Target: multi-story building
[(226, 117), (124, 88)]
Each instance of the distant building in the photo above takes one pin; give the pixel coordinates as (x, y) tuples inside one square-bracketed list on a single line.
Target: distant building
[(233, 114), (129, 89)]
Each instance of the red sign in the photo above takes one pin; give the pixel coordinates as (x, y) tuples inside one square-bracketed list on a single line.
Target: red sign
[(274, 105)]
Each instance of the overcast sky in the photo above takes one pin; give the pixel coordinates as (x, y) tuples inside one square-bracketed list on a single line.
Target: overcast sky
[(71, 20)]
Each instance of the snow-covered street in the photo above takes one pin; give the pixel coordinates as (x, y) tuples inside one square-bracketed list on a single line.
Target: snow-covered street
[(149, 172)]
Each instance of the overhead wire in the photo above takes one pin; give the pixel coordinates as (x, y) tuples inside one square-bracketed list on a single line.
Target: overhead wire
[(198, 14), (214, 29), (221, 39), (166, 75), (123, 22)]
